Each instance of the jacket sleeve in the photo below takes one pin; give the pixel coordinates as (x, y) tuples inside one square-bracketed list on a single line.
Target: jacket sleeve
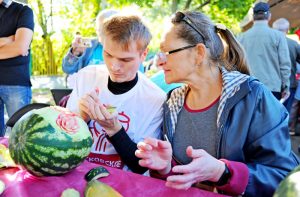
[(71, 63), (284, 62), (268, 152), (238, 180)]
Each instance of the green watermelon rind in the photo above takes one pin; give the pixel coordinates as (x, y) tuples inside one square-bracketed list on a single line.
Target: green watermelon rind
[(290, 186), (48, 150), (96, 173)]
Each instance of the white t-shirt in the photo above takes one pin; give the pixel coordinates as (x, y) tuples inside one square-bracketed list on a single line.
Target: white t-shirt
[(139, 110)]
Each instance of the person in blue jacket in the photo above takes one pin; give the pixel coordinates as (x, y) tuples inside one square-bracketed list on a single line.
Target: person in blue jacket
[(223, 130), (80, 56)]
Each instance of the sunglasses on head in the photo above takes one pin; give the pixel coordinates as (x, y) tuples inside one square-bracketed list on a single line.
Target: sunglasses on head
[(180, 16)]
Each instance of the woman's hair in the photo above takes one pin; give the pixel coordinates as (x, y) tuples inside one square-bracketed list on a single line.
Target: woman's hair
[(195, 27)]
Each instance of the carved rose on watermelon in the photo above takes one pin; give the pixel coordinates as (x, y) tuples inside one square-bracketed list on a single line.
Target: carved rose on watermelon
[(68, 122)]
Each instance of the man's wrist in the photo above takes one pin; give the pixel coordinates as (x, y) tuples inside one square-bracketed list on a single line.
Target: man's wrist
[(113, 131)]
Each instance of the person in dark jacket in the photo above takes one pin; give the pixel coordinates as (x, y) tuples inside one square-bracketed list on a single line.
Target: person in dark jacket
[(291, 104), (283, 25), (223, 129)]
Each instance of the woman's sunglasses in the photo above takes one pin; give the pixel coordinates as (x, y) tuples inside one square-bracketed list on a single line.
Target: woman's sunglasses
[(179, 16)]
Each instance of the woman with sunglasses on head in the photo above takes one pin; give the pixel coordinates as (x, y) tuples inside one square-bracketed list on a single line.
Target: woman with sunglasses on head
[(223, 128)]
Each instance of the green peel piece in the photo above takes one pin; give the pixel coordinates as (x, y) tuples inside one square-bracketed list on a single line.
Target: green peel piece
[(96, 173)]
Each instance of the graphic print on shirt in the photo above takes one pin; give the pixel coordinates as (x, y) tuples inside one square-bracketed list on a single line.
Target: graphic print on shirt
[(102, 150)]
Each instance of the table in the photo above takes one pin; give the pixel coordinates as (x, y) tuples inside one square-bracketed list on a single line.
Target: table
[(21, 183)]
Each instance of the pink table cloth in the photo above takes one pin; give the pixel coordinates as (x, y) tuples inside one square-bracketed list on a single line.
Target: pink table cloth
[(21, 183)]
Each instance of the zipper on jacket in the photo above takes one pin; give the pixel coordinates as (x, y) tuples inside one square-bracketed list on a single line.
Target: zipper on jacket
[(223, 133), (173, 157)]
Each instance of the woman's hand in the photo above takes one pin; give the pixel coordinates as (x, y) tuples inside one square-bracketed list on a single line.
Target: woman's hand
[(155, 154), (202, 168)]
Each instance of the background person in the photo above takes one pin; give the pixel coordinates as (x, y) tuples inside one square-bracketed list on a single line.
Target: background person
[(80, 57), (283, 25), (16, 31), (267, 52)]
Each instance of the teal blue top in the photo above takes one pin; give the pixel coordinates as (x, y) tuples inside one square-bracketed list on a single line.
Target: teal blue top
[(159, 79), (97, 57)]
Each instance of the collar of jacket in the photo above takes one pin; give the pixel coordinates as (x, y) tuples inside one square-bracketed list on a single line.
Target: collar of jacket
[(233, 84), (260, 24)]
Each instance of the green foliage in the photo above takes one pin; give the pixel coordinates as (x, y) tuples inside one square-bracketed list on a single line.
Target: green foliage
[(236, 9), (121, 3), (57, 21)]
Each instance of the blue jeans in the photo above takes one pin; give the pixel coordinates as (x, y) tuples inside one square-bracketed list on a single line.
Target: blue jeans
[(14, 98)]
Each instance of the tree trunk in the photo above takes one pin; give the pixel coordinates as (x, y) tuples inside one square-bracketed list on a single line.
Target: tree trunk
[(50, 67), (174, 5), (103, 4), (187, 4)]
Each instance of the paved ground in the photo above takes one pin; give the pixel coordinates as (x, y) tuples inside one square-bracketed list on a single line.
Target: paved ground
[(41, 88)]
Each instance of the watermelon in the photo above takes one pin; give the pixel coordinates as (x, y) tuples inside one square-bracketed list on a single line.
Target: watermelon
[(49, 141), (290, 186)]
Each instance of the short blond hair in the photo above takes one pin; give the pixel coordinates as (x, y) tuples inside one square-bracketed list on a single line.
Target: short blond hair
[(127, 29)]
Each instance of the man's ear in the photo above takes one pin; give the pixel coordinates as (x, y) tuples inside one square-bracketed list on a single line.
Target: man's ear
[(201, 52), (144, 54)]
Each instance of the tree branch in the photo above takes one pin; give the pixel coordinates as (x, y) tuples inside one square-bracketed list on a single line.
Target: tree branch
[(202, 5)]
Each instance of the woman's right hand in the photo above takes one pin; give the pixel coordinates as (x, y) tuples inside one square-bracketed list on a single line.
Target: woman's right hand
[(155, 154)]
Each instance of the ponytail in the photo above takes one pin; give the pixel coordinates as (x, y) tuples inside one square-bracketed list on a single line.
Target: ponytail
[(234, 55)]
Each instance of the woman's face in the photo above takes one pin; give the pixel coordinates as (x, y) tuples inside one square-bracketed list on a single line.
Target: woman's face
[(178, 66)]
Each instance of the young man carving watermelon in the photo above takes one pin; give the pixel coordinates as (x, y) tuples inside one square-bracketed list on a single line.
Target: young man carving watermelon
[(125, 107)]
